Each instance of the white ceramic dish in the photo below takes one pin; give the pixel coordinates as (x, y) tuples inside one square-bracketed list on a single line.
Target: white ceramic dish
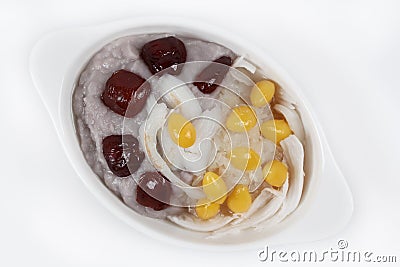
[(57, 60)]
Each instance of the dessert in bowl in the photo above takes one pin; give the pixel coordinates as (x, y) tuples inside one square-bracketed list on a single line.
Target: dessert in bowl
[(186, 130), (229, 97)]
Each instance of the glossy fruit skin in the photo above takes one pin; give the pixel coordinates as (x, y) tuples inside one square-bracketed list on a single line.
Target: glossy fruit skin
[(125, 93), (181, 131), (153, 191), (244, 158), (239, 200), (262, 93), (163, 53), (275, 173), (205, 209), (122, 154), (241, 119), (212, 76), (275, 130), (214, 187)]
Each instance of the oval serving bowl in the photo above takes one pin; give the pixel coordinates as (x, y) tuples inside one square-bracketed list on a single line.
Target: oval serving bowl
[(326, 205)]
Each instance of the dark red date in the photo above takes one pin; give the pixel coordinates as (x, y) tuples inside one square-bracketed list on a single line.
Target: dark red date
[(212, 75), (153, 191), (163, 53), (125, 93), (122, 154)]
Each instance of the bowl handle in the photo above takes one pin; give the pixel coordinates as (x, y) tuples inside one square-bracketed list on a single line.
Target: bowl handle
[(49, 63)]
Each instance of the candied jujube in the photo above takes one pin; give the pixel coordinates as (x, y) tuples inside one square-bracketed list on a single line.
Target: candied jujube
[(122, 154), (125, 93), (163, 53), (153, 191), (212, 75)]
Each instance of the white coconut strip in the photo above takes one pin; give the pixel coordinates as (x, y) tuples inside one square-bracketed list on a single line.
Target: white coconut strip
[(285, 99), (197, 157), (294, 156), (148, 136), (191, 222), (170, 150), (208, 119), (234, 75), (241, 62), (176, 93), (293, 119), (275, 192), (261, 215)]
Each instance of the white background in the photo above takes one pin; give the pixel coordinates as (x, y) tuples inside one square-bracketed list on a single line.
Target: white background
[(344, 54)]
